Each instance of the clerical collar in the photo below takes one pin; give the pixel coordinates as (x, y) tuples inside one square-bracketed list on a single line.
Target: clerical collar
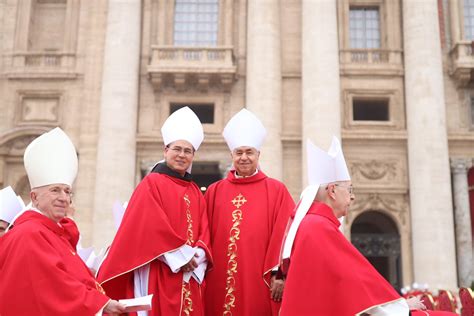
[(241, 177), (163, 168)]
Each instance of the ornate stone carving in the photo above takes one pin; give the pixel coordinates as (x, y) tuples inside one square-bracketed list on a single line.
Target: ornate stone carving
[(17, 146), (398, 205), (374, 169), (40, 109), (460, 165)]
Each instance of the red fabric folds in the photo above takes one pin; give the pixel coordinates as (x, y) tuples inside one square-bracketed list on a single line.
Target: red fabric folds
[(265, 206), (154, 223), (42, 274)]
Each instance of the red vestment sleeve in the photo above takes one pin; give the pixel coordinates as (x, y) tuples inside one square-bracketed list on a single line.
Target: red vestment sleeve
[(283, 208), (144, 234)]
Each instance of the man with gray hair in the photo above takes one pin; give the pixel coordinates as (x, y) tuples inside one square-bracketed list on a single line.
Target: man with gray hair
[(327, 275), (41, 271)]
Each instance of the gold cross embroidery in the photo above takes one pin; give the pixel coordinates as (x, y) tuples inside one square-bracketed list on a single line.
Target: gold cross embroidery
[(239, 200)]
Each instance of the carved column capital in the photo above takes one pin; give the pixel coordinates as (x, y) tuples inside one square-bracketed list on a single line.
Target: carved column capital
[(460, 165)]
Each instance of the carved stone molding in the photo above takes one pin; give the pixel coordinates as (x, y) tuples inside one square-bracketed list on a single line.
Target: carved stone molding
[(17, 146), (386, 171), (375, 170), (396, 205)]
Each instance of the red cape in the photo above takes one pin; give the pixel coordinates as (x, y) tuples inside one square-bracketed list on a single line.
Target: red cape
[(328, 276), (153, 224), (42, 274), (264, 215)]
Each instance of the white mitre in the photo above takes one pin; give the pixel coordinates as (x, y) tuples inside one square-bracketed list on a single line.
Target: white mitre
[(51, 158), (323, 167), (10, 204), (244, 129), (183, 124)]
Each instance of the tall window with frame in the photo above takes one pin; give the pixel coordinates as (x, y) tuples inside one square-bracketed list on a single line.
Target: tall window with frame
[(196, 22), (469, 19), (364, 27)]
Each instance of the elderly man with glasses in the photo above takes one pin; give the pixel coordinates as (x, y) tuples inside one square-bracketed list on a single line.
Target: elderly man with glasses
[(41, 271), (161, 245), (326, 274)]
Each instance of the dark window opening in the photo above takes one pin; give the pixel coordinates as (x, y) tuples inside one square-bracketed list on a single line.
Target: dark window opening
[(370, 110), (205, 111), (205, 174)]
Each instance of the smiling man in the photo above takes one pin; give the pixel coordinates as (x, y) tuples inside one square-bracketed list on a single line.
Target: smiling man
[(41, 272), (248, 212), (161, 245)]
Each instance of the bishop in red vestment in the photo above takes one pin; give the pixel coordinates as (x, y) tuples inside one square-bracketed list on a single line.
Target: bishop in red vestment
[(165, 212), (248, 213), (161, 246), (247, 218), (42, 273), (327, 275)]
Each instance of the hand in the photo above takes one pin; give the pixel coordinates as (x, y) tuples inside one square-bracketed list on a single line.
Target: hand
[(191, 265), (276, 289), (114, 308), (415, 303)]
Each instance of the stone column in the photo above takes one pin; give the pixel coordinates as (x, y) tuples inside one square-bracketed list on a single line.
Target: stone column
[(462, 217), (263, 84), (455, 22), (434, 257), (116, 165), (321, 112)]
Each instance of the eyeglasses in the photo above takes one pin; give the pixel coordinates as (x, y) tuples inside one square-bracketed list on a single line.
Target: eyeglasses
[(178, 150), (349, 188)]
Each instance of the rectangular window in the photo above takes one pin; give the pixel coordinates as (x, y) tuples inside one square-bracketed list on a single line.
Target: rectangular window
[(205, 111), (47, 26), (196, 22), (469, 19), (364, 27), (370, 110)]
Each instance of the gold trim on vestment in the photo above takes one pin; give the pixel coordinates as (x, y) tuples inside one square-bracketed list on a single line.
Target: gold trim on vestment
[(373, 306), (186, 300), (229, 299)]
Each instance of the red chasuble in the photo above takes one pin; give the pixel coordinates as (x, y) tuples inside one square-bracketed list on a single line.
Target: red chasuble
[(247, 220), (328, 276), (41, 274), (163, 214)]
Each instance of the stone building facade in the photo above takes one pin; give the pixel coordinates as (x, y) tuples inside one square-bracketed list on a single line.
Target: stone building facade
[(391, 78)]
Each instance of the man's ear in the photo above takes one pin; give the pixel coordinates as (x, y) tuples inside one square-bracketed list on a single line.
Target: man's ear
[(331, 192), (33, 197)]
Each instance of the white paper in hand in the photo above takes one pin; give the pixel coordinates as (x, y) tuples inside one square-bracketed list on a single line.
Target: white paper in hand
[(137, 304)]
